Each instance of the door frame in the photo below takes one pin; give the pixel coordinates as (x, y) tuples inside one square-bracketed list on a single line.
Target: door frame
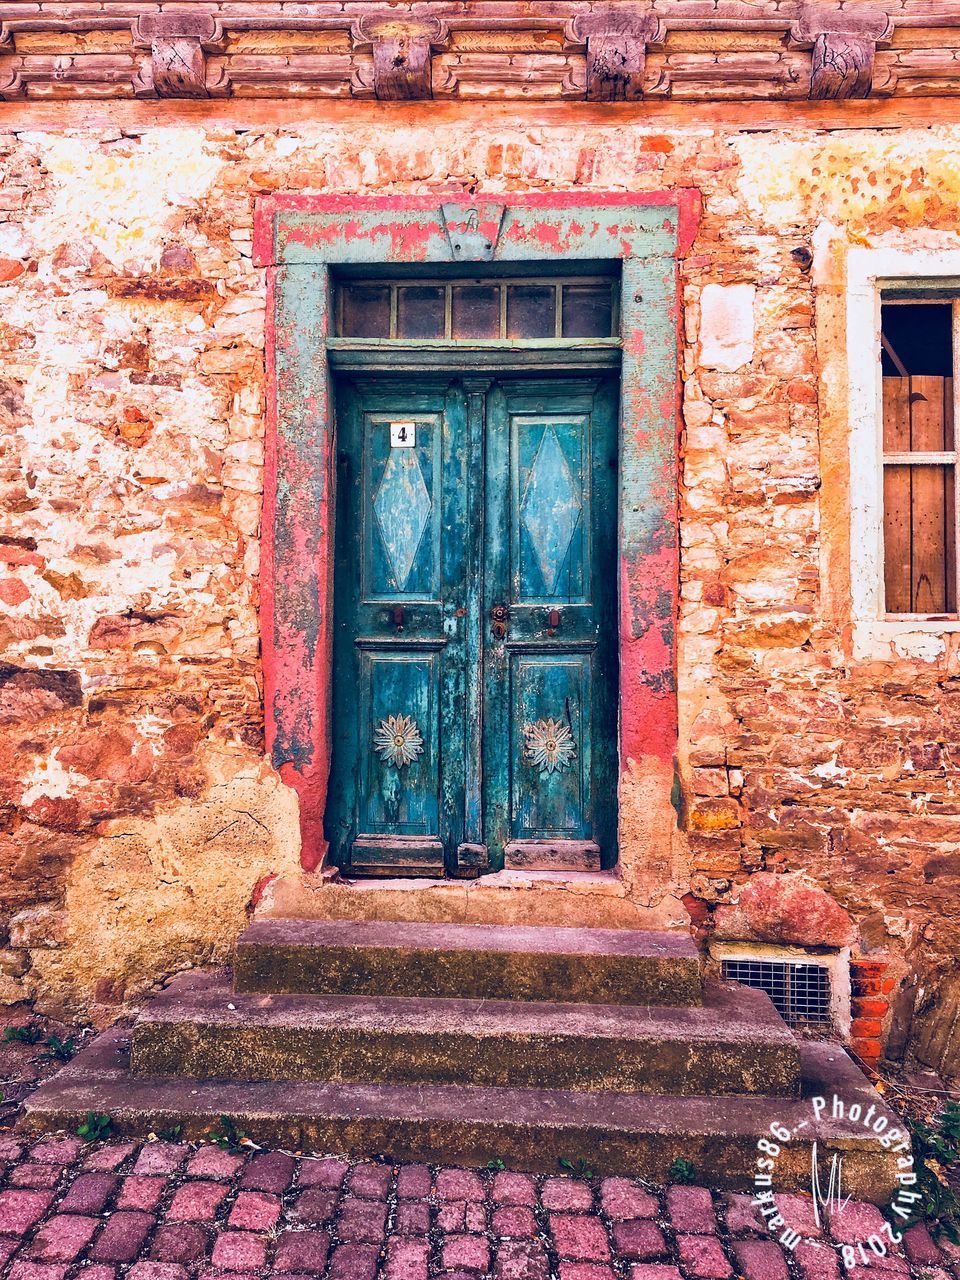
[(298, 239)]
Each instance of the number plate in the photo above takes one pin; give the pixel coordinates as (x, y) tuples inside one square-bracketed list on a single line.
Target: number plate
[(403, 435)]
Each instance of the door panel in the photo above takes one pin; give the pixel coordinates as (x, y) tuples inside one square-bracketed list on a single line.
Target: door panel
[(396, 788), (551, 571), (475, 625)]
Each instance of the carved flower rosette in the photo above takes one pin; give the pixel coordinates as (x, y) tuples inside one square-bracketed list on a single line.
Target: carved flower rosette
[(398, 741), (549, 745)]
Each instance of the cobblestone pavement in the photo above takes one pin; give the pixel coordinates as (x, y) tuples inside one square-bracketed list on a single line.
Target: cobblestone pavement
[(165, 1211)]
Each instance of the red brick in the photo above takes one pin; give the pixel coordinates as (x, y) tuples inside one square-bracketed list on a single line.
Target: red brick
[(742, 1215), (156, 1271), (861, 1008), (514, 1188), (39, 1177), (865, 1027), (110, 1157)]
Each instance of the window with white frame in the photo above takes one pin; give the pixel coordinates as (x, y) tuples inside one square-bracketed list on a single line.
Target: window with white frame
[(920, 463)]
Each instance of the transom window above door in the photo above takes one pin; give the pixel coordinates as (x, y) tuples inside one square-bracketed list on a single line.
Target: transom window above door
[(469, 310)]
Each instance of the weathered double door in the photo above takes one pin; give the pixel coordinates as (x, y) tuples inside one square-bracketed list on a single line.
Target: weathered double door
[(475, 654)]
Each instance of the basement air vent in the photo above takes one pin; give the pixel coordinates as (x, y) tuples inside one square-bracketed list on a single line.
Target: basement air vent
[(800, 992)]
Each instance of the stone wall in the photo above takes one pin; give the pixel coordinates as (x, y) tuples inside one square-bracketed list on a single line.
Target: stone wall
[(137, 814)]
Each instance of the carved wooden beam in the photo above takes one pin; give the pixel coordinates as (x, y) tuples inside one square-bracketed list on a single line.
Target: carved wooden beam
[(402, 49), (178, 42), (616, 38), (844, 44)]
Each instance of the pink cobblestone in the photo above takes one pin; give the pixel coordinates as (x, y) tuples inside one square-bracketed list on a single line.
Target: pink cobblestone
[(639, 1238), (20, 1210), (817, 1262), (760, 1260), (520, 1260), (106, 1223), (620, 1199), (407, 1260), (160, 1157), (469, 1252), (459, 1184), (140, 1192), (272, 1171), (36, 1176), (703, 1258), (63, 1238), (414, 1182), (579, 1238), (239, 1251), (513, 1220), (255, 1211), (212, 1162), (514, 1188), (566, 1195), (691, 1210)]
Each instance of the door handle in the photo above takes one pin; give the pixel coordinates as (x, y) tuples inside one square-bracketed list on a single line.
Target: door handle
[(499, 613), (399, 617)]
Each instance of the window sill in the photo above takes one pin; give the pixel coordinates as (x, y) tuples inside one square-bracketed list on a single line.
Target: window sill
[(902, 639)]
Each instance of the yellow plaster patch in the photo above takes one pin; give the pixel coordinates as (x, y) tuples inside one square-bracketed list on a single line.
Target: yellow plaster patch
[(863, 179), (124, 199)]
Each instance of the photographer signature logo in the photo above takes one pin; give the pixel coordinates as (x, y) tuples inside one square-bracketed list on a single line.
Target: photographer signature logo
[(827, 1199), (827, 1189)]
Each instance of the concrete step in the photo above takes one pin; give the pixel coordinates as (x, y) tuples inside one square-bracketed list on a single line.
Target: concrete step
[(528, 1129), (735, 1042), (485, 962)]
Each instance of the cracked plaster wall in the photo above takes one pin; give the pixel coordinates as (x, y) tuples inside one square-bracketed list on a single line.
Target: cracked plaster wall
[(137, 816)]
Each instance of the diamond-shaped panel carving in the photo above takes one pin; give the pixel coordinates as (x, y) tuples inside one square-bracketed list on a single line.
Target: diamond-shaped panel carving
[(550, 508), (402, 508)]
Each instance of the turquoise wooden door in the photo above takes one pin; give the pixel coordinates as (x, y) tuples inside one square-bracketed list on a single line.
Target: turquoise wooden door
[(475, 624)]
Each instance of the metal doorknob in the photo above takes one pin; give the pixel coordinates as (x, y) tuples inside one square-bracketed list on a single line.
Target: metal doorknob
[(499, 613)]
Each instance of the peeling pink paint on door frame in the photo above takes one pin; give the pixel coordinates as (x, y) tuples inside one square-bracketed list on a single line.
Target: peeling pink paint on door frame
[(295, 238)]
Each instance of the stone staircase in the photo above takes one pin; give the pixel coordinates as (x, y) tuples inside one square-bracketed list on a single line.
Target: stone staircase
[(476, 1043)]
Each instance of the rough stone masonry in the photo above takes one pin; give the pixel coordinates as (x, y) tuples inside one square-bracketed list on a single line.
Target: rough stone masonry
[(816, 799)]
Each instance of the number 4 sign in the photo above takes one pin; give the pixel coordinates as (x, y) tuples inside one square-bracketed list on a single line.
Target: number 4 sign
[(403, 435)]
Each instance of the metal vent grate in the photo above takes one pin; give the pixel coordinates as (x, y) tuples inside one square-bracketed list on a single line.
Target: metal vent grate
[(800, 992)]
